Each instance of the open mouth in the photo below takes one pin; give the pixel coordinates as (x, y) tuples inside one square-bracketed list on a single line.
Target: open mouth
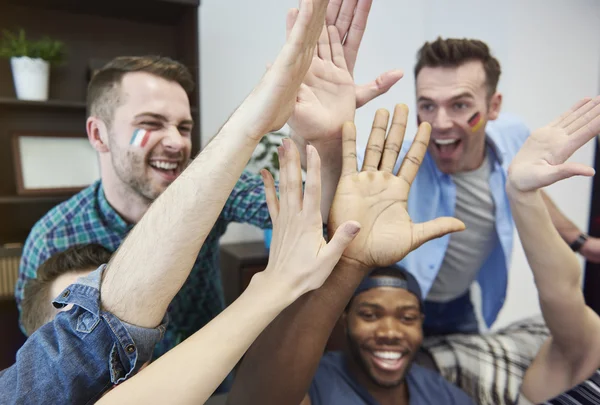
[(388, 360), (446, 147), (167, 169)]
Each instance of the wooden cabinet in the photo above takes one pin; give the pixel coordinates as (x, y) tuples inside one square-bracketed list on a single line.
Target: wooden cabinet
[(239, 262)]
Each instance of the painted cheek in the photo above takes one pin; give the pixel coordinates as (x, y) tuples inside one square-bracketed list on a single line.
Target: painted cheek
[(140, 138), (475, 122)]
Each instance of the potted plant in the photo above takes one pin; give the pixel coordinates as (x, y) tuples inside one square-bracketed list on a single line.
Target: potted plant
[(265, 157), (30, 62)]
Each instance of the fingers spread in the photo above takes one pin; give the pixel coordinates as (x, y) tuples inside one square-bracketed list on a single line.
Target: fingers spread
[(294, 176), (376, 141), (393, 142), (348, 149), (312, 187), (377, 87), (271, 195), (342, 237), (356, 32), (434, 229), (344, 17), (337, 51), (414, 157), (581, 116), (323, 47)]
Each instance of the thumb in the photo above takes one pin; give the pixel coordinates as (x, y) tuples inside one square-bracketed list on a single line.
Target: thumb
[(343, 236), (436, 228), (569, 169), (377, 87)]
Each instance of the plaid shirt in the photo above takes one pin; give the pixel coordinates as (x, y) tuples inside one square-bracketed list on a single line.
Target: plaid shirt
[(87, 217)]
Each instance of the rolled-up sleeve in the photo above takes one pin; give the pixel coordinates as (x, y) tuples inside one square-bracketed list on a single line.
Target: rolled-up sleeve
[(81, 354)]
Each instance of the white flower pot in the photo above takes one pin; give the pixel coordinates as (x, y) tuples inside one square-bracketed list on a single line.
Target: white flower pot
[(31, 77)]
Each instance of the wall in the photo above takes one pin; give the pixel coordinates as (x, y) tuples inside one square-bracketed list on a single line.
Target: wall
[(549, 50)]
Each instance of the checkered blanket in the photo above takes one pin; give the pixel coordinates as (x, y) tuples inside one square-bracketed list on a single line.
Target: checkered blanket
[(490, 367)]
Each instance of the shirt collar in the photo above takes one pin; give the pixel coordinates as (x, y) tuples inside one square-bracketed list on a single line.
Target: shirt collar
[(108, 213)]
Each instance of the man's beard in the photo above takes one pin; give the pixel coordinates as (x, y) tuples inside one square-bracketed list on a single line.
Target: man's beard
[(355, 352)]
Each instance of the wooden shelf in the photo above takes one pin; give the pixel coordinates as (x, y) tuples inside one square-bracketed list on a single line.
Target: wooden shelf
[(51, 104), (34, 200)]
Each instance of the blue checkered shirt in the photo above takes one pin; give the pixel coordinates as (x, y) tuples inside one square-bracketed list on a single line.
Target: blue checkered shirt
[(87, 217)]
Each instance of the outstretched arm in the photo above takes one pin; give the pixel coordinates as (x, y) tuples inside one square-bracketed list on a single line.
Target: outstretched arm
[(375, 198), (155, 259), (299, 261), (573, 351)]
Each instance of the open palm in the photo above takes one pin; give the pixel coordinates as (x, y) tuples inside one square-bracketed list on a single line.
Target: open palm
[(377, 198), (542, 160)]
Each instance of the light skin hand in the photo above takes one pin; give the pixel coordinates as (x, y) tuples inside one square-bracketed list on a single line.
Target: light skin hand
[(298, 249), (378, 199), (271, 103), (299, 261), (542, 159)]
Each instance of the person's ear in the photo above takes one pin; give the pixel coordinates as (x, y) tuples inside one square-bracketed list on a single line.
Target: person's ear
[(495, 106), (97, 133)]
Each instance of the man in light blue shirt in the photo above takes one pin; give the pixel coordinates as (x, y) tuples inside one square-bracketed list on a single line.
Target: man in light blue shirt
[(465, 275)]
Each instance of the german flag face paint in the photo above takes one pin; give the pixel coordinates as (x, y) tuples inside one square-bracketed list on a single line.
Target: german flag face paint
[(140, 138), (475, 122)]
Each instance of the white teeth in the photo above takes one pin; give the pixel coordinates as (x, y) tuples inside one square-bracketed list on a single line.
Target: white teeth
[(163, 165), (445, 141), (388, 355)]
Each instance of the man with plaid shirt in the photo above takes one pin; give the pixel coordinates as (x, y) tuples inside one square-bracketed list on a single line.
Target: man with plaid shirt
[(144, 144)]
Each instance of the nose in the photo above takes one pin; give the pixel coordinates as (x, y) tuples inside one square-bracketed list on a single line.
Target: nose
[(389, 331), (173, 141), (442, 120)]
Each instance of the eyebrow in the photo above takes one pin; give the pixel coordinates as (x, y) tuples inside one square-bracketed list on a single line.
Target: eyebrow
[(161, 117), (377, 306), (453, 98)]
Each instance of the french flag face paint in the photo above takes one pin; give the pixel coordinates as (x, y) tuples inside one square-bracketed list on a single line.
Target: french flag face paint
[(140, 138), (475, 122)]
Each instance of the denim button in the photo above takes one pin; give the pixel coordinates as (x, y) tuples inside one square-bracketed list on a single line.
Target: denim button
[(130, 349)]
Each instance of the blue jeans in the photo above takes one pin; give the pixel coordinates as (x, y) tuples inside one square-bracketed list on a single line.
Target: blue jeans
[(445, 318), (78, 356)]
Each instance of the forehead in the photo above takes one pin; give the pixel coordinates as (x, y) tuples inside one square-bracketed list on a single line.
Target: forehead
[(443, 83), (144, 92), (389, 298)]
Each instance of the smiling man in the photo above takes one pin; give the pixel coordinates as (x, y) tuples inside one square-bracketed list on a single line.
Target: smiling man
[(383, 324), (463, 174)]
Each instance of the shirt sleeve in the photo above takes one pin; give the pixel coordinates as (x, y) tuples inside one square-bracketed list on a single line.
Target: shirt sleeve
[(247, 202), (79, 355), (35, 252)]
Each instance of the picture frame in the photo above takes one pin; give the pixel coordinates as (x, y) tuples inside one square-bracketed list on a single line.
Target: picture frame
[(53, 164)]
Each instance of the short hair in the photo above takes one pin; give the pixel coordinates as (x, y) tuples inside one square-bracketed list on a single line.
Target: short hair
[(103, 95), (453, 52), (36, 308)]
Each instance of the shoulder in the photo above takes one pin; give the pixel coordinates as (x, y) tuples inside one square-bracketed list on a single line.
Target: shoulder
[(51, 229), (433, 387)]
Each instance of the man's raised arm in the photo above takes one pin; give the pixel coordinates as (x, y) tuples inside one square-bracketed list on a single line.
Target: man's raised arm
[(154, 261), (572, 353), (280, 365)]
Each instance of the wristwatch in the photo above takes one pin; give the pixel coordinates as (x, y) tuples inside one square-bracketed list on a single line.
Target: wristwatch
[(578, 243)]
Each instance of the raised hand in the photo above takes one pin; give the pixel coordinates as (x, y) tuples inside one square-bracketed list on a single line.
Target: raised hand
[(328, 96), (350, 19), (378, 199), (271, 103), (542, 159), (299, 255)]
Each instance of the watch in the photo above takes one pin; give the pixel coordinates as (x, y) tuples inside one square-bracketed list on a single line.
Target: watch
[(578, 243)]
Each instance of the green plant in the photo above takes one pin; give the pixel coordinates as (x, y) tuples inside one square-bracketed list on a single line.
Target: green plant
[(265, 156), (17, 44)]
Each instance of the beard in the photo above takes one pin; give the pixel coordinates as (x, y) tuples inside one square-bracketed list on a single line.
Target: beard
[(361, 362), (131, 170)]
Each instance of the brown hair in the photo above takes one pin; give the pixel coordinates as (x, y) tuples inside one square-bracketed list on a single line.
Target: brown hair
[(453, 52), (103, 94), (36, 308)]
